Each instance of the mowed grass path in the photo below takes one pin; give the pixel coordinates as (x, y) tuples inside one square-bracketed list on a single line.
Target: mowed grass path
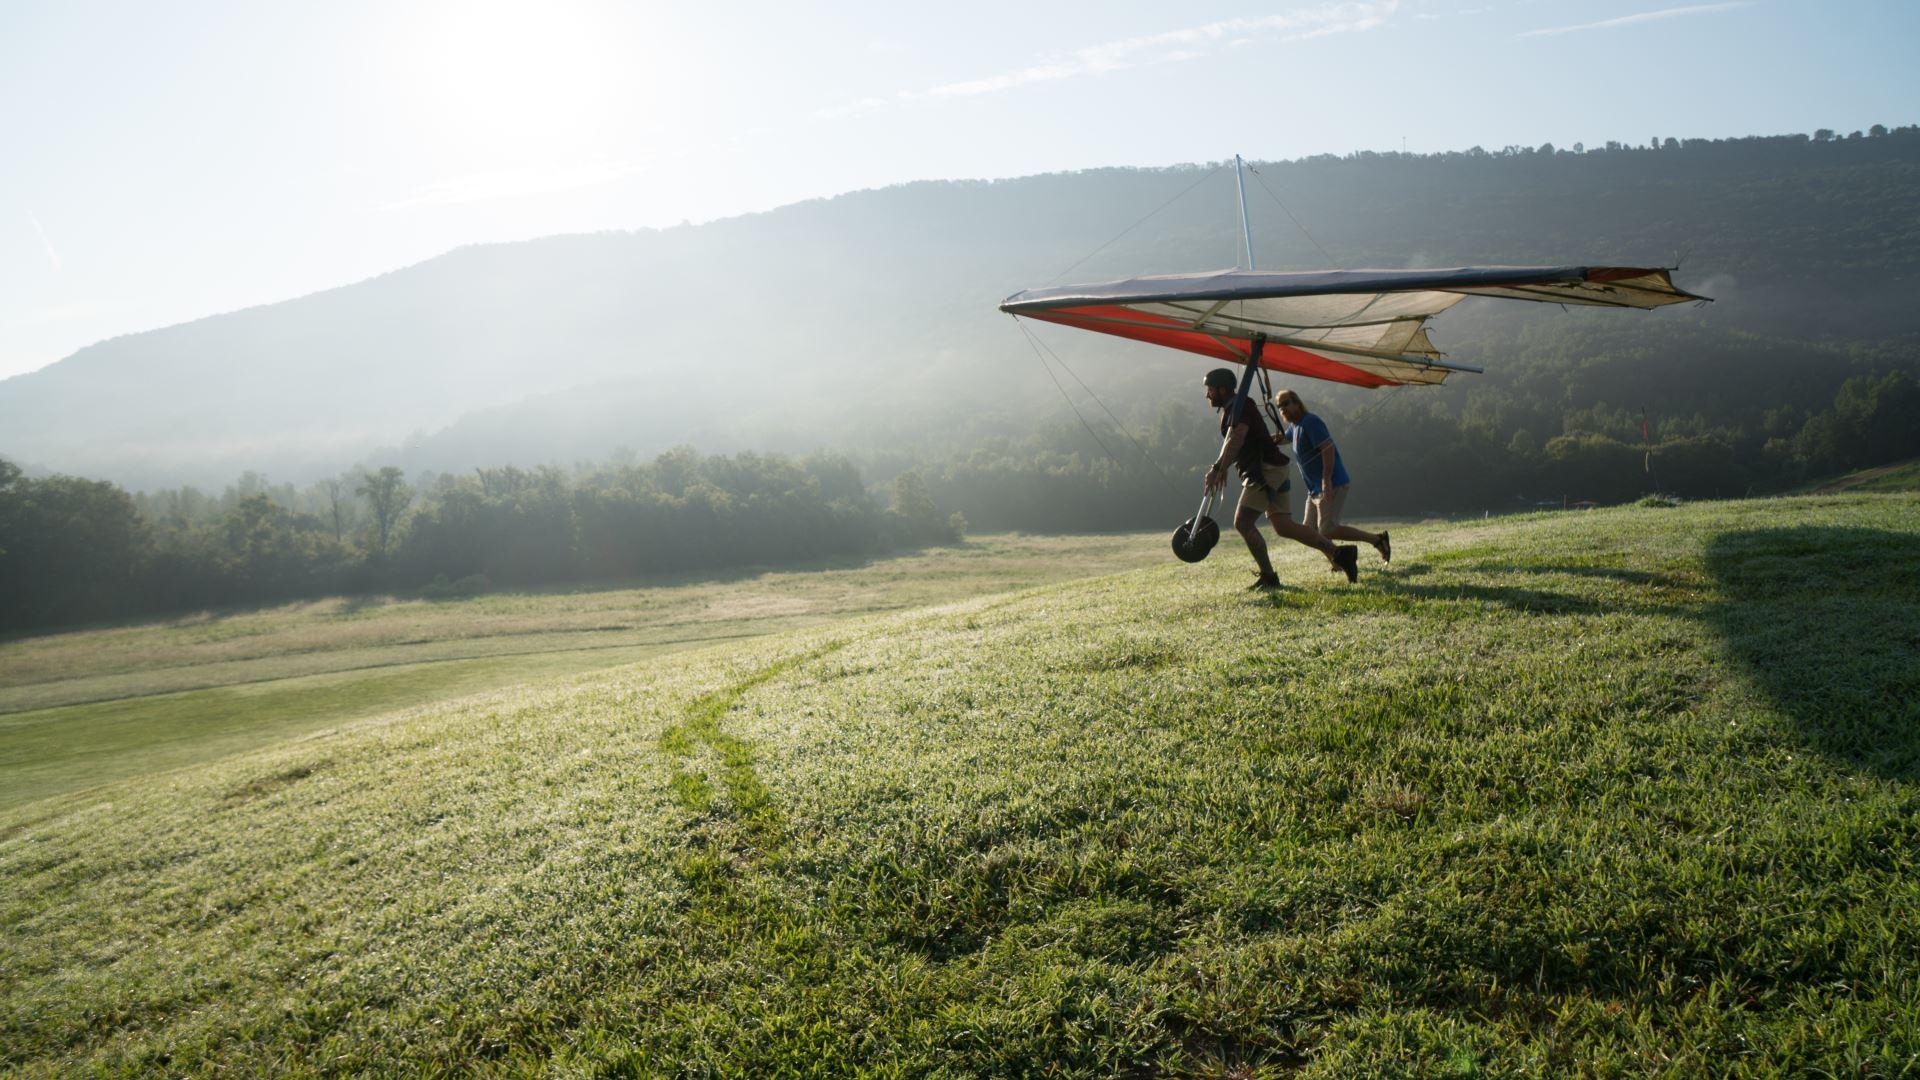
[(1904, 476), (84, 708), (1631, 792)]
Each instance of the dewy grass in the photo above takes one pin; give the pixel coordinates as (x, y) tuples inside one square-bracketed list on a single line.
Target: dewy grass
[(1630, 792), (50, 751), (245, 645), (753, 809), (90, 707), (1902, 478)]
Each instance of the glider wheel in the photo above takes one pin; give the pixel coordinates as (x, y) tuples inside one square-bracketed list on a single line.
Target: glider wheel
[(1191, 542)]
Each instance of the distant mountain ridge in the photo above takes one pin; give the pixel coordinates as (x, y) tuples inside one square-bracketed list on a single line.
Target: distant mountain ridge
[(871, 316)]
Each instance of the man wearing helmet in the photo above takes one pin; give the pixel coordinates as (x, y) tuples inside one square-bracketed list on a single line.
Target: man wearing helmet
[(1247, 443)]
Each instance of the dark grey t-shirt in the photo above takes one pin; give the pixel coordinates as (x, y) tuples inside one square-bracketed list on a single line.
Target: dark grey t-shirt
[(1258, 448)]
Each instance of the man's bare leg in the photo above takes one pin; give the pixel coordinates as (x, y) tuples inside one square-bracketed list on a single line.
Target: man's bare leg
[(1348, 532), (1340, 531), (1284, 524), (1247, 523)]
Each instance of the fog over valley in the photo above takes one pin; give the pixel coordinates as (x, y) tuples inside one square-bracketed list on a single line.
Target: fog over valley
[(868, 321)]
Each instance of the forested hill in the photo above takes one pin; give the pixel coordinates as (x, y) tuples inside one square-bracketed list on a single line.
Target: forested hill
[(868, 319)]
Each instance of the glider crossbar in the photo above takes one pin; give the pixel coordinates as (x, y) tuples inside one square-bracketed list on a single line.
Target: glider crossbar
[(1231, 340), (1277, 324)]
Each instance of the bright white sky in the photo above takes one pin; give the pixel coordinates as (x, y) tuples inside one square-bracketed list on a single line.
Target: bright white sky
[(164, 161)]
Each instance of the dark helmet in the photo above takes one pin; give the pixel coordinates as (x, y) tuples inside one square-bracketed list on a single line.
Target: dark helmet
[(1221, 379)]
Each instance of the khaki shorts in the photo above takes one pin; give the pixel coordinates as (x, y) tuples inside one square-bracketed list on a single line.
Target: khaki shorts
[(1271, 494), (1322, 511)]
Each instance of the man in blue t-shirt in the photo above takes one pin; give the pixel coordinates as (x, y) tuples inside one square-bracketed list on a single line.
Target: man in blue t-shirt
[(1325, 475)]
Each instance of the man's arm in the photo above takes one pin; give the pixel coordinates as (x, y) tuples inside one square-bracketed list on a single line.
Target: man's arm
[(1326, 452), (1229, 449)]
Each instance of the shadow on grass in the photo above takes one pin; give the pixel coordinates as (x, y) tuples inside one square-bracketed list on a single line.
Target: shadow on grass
[(1827, 621), (1533, 601), (1643, 578)]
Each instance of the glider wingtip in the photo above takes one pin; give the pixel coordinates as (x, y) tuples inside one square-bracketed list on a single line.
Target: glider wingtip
[(1684, 294)]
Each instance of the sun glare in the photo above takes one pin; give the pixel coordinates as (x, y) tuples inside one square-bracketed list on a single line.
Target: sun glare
[(518, 77)]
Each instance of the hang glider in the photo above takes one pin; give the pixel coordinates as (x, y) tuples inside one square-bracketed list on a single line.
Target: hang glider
[(1361, 327)]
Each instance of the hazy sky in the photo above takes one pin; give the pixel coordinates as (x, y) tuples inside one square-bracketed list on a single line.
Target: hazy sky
[(162, 160)]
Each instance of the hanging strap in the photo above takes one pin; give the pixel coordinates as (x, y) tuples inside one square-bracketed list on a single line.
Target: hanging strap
[(1266, 399), (1246, 380), (1273, 413)]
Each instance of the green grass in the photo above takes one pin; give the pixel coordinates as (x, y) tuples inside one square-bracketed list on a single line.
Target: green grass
[(1904, 477), (1631, 792), (1898, 478), (85, 708)]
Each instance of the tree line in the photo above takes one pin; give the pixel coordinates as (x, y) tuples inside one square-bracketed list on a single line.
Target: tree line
[(1805, 367), (1419, 455), (74, 550)]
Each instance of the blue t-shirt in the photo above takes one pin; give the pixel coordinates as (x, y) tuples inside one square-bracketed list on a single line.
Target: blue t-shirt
[(1307, 435)]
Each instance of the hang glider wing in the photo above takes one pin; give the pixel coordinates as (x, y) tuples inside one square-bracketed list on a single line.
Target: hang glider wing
[(1363, 327)]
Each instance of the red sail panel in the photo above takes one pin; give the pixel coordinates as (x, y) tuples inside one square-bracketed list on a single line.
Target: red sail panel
[(1127, 322)]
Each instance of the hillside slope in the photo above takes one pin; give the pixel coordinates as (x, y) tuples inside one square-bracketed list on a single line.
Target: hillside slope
[(85, 707), (1635, 790), (871, 316), (1902, 476)]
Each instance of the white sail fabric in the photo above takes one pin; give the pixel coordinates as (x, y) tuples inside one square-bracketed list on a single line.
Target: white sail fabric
[(1363, 327)]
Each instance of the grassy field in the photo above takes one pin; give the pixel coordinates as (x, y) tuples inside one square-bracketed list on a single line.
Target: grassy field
[(1628, 792), (1902, 477), (1894, 478), (83, 708)]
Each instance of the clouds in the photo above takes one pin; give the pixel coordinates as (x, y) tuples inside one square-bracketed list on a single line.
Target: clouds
[(1147, 50), (1643, 17), (1175, 46), (52, 255)]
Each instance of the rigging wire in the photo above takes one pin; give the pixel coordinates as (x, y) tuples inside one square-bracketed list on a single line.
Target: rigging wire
[(1266, 402), (1356, 418), (1137, 224), (1120, 427), (1390, 395), (1266, 385), (1038, 345), (1296, 221), (1063, 393)]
